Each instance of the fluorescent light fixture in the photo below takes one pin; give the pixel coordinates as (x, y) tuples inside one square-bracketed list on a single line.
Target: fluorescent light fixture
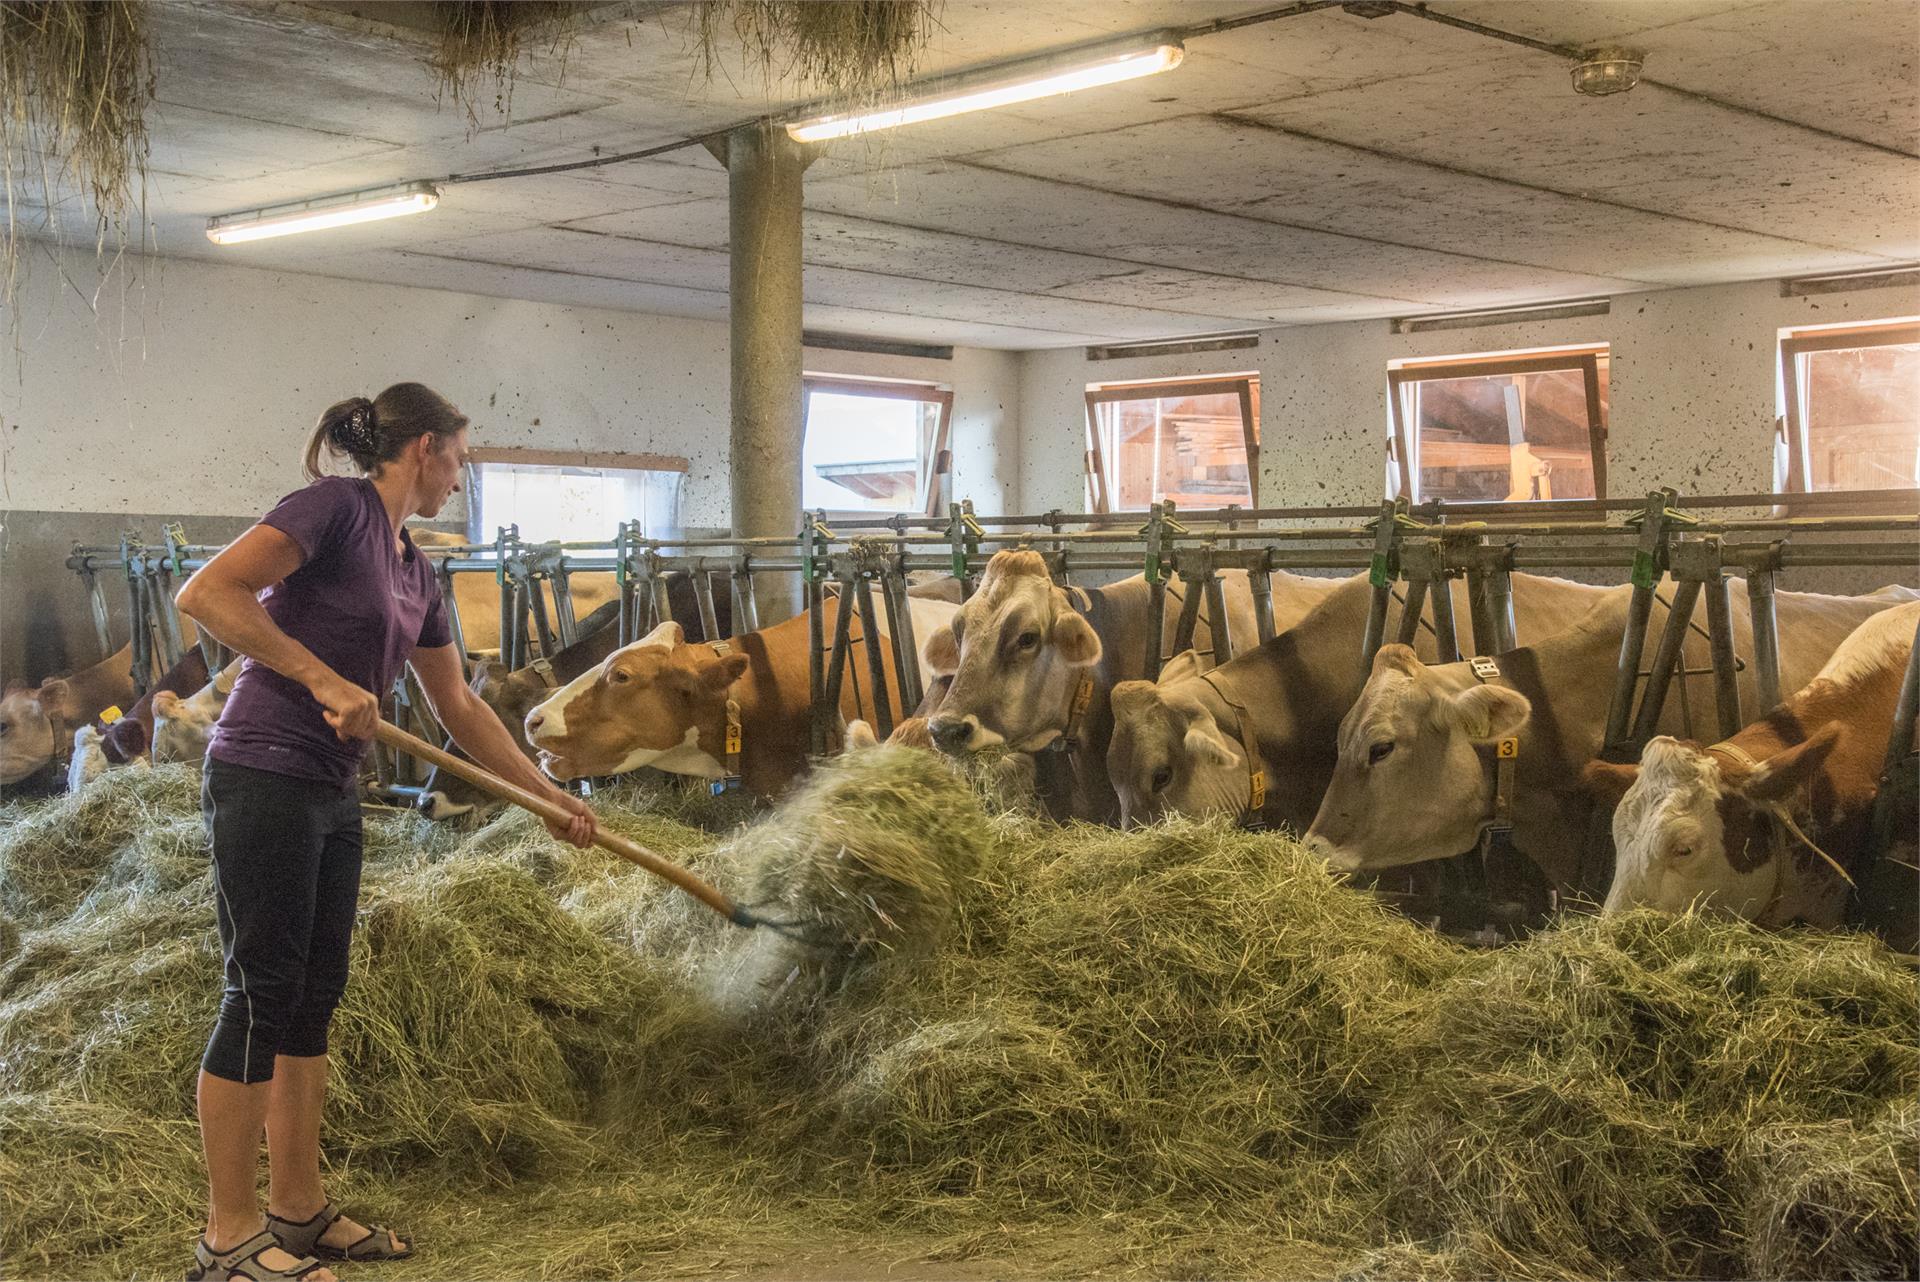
[(1040, 78), (327, 211)]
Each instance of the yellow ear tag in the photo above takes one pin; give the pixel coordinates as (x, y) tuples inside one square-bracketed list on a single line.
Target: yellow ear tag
[(733, 737), (1507, 749), (1258, 783), (1083, 696), (111, 715)]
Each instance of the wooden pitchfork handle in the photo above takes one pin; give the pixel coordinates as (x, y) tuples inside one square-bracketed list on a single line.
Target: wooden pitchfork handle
[(631, 851)]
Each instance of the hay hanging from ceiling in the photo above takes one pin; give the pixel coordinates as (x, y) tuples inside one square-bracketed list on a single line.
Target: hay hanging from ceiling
[(856, 50), (75, 81), (483, 39)]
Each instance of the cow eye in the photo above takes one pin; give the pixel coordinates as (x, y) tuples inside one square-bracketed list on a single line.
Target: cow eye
[(619, 676), (1028, 640), (1379, 752), (1161, 778), (1680, 851)]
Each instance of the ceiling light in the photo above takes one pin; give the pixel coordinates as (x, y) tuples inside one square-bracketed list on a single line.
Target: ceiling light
[(1040, 78), (327, 211), (1606, 71)]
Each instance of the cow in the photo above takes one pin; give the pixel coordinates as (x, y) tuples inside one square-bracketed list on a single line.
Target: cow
[(663, 703), (1033, 665), (1180, 745), (37, 724), (182, 727), (512, 695), (1412, 782), (1723, 828)]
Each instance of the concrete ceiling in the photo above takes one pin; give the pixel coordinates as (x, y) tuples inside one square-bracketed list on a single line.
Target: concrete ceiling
[(1316, 167)]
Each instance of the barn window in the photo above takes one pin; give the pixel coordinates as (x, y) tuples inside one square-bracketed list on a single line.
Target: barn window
[(1509, 428), (1195, 441), (1850, 407), (572, 496), (870, 445)]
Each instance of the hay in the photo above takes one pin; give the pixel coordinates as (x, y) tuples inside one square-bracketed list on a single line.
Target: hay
[(851, 50), (76, 77), (483, 39), (1178, 1051)]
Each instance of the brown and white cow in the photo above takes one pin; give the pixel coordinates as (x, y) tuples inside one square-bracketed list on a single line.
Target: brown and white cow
[(1178, 744), (182, 726), (37, 724), (662, 703), (1704, 827), (1413, 781), (1019, 649)]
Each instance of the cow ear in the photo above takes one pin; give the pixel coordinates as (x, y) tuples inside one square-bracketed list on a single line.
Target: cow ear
[(1394, 657), (1076, 640), (166, 703), (729, 669), (1181, 667), (860, 736), (1488, 713), (1129, 695), (1207, 747), (941, 653), (668, 635), (54, 695), (1785, 773), (1608, 781)]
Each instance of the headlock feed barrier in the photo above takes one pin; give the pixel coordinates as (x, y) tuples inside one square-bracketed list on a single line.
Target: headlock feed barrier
[(1679, 552)]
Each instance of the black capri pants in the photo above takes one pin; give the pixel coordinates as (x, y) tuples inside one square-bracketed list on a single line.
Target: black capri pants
[(286, 874)]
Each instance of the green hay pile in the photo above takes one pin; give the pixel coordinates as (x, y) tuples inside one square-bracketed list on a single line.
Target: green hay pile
[(1178, 1051)]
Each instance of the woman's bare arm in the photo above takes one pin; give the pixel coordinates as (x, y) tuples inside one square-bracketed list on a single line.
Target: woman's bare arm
[(223, 597)]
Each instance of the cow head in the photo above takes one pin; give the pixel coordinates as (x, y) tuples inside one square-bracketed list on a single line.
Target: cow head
[(32, 723), (1016, 651), (1168, 754), (658, 702), (1692, 827), (181, 727), (1410, 785)]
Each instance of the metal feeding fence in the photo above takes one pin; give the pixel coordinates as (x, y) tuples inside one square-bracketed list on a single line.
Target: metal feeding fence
[(1679, 552)]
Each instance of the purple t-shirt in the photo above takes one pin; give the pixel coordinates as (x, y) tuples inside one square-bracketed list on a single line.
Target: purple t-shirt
[(358, 604)]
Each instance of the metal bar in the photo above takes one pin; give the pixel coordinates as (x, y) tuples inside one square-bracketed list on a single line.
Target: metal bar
[(905, 645), (567, 626), (1376, 624), (1189, 614), (746, 604), (1220, 627), (662, 601), (837, 659), (1410, 611), (703, 599), (876, 658), (816, 668), (456, 626), (1156, 627), (1260, 582), (1761, 586), (1626, 672), (1446, 639), (97, 601), (1900, 747), (1667, 656), (1500, 610), (142, 627), (1726, 670), (542, 629)]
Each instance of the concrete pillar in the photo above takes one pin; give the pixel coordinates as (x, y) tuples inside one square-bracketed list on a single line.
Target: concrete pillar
[(764, 169)]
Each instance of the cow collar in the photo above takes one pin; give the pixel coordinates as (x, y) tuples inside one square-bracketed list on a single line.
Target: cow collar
[(729, 782), (1506, 755), (1782, 825), (543, 668), (1255, 818)]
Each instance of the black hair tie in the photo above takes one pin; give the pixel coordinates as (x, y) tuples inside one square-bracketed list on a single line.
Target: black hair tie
[(356, 433)]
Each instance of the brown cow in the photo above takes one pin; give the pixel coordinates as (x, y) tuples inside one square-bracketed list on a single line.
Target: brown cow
[(37, 724), (1708, 827)]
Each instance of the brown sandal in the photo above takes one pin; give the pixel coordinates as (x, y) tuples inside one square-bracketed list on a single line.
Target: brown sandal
[(303, 1237), (243, 1261)]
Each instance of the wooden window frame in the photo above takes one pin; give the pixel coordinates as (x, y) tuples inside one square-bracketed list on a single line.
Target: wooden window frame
[(1804, 342), (1403, 446), (1245, 386), (935, 469)]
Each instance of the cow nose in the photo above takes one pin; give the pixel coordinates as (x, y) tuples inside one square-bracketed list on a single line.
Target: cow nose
[(427, 802), (535, 720), (950, 734)]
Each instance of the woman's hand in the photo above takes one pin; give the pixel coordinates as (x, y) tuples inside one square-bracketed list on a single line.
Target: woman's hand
[(584, 825), (350, 710)]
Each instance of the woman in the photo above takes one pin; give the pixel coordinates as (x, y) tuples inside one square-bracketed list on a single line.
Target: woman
[(327, 598)]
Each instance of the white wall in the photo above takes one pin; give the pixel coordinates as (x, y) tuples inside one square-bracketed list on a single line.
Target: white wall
[(192, 387), (1693, 397)]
